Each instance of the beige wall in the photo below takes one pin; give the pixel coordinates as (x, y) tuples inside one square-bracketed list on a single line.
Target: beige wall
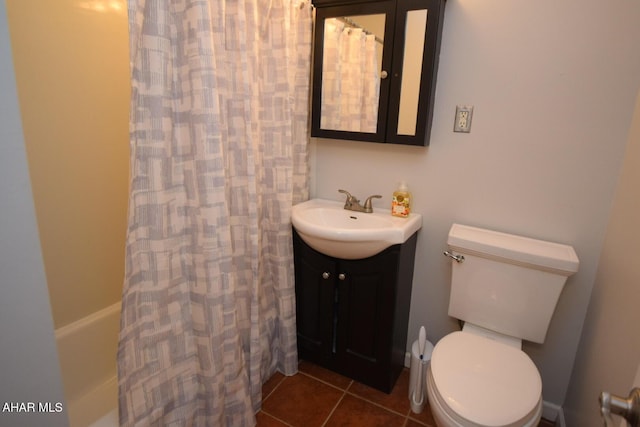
[(553, 86), (71, 62), (609, 352)]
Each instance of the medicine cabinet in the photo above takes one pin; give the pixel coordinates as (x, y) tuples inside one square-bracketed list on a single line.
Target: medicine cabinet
[(374, 69)]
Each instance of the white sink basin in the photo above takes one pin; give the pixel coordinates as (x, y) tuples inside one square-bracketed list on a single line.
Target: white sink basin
[(330, 229)]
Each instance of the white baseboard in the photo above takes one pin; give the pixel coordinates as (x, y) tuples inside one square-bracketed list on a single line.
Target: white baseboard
[(553, 412)]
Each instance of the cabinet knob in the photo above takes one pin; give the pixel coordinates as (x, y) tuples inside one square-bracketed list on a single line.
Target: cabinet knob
[(326, 275), (342, 276)]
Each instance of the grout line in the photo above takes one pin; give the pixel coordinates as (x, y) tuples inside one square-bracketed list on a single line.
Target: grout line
[(422, 423), (274, 389), (344, 393), (406, 416), (325, 382), (346, 390), (276, 418), (377, 404), (267, 396), (343, 390)]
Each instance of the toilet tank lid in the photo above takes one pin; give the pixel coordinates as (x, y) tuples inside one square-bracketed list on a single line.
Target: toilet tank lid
[(531, 252)]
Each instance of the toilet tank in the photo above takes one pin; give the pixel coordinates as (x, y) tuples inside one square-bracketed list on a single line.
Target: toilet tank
[(507, 283)]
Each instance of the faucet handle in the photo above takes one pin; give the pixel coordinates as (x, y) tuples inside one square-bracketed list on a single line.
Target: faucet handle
[(367, 203), (350, 198)]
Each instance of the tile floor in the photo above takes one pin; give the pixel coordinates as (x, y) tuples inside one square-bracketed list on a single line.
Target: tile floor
[(317, 397)]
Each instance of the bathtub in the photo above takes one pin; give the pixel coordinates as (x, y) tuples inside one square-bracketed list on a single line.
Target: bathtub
[(87, 352)]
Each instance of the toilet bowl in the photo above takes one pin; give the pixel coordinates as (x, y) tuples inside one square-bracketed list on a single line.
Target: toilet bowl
[(475, 381)]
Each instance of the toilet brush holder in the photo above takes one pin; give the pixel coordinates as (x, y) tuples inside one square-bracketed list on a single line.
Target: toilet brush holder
[(418, 376)]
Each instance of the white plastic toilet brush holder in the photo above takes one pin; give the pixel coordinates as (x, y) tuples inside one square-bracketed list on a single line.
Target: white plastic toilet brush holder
[(417, 402), (418, 376)]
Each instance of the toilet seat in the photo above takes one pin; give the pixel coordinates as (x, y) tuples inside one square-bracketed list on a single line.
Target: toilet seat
[(482, 382)]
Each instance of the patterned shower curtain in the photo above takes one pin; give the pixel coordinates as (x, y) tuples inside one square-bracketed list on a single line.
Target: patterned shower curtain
[(218, 156), (350, 79)]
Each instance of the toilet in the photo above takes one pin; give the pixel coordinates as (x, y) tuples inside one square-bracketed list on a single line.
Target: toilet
[(505, 289)]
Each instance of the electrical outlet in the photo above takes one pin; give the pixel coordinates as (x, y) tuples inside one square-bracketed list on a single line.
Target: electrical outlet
[(463, 118)]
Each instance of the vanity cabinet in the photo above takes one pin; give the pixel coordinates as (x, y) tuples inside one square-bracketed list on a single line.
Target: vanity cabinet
[(352, 315), (407, 35)]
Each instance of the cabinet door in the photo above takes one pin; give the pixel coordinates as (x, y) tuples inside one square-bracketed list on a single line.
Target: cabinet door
[(366, 317), (315, 298), (418, 32), (345, 102)]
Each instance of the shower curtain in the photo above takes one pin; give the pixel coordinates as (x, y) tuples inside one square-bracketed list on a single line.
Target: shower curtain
[(219, 107), (350, 79)]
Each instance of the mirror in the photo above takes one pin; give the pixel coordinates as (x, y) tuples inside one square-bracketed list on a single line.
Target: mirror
[(368, 84), (351, 72), (352, 53), (415, 29)]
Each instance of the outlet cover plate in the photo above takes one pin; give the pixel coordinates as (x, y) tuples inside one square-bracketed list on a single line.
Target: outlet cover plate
[(464, 113)]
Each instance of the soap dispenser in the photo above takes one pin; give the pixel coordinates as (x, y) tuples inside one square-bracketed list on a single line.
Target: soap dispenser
[(401, 201)]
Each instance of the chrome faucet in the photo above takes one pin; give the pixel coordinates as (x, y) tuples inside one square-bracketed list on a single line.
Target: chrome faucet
[(353, 204)]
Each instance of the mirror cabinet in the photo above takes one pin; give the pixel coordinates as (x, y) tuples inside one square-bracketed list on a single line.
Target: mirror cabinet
[(374, 69)]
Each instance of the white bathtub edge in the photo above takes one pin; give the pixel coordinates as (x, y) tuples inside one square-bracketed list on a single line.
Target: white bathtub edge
[(94, 405), (75, 327), (87, 351)]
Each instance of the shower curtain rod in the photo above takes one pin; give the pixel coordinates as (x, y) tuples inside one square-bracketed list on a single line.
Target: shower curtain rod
[(350, 22)]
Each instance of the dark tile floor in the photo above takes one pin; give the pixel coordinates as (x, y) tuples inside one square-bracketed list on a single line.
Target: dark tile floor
[(317, 397)]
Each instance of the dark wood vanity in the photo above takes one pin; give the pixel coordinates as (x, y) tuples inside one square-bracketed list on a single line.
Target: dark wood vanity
[(352, 315)]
